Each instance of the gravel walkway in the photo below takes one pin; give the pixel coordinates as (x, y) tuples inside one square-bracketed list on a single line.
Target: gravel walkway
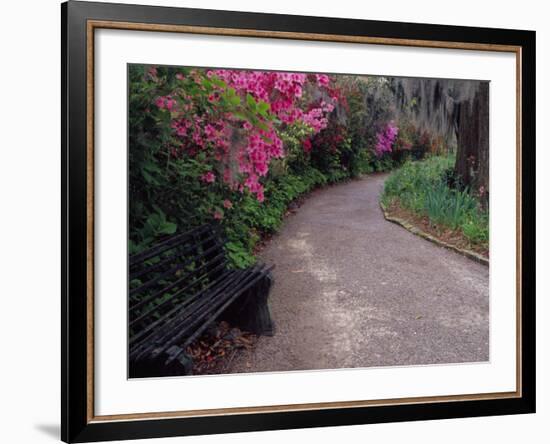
[(354, 290)]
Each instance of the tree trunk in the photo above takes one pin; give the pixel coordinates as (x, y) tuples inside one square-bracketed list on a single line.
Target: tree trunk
[(472, 158)]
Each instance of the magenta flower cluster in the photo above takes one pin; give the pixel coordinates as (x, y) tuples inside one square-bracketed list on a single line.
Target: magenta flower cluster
[(386, 139), (199, 131)]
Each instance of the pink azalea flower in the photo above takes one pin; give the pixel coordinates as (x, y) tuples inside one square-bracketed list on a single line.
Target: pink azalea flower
[(209, 177), (322, 79), (227, 176), (386, 139), (160, 102), (210, 132), (227, 204), (170, 103)]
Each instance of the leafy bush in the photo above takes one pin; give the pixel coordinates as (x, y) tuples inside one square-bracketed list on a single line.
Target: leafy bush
[(422, 188)]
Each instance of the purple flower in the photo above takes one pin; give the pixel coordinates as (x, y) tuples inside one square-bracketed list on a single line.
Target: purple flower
[(385, 139)]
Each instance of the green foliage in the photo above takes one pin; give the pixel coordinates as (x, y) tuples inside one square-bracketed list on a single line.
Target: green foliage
[(296, 159), (384, 163), (422, 187)]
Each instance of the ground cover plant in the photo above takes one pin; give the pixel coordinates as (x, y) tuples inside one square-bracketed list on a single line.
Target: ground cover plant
[(428, 188)]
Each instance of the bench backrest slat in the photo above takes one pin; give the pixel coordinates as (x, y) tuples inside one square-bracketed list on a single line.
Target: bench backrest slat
[(176, 297), (181, 248), (162, 246), (174, 273), (174, 264)]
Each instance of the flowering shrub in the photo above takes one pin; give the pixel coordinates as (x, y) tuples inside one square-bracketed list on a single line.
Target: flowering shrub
[(386, 139), (331, 153), (235, 117), (234, 147)]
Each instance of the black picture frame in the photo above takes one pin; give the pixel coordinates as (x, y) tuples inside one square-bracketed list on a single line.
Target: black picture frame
[(76, 423)]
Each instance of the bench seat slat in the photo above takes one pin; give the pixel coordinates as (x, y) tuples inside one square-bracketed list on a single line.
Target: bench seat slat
[(203, 314), (174, 319), (241, 290), (184, 305)]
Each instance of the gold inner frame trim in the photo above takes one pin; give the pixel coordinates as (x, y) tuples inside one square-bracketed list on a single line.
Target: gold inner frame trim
[(97, 24)]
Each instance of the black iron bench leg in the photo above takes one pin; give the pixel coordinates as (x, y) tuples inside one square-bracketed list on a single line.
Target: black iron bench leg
[(250, 312)]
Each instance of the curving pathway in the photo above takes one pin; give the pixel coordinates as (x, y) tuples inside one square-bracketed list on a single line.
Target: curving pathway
[(354, 290)]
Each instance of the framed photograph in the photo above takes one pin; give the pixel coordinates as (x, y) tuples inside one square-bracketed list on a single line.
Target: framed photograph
[(276, 221)]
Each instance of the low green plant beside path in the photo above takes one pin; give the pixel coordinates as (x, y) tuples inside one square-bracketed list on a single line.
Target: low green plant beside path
[(423, 189)]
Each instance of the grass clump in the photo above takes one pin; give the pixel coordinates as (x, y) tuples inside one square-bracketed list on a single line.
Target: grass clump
[(421, 187)]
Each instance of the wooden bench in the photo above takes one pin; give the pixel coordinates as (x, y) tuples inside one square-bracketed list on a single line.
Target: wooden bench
[(178, 288)]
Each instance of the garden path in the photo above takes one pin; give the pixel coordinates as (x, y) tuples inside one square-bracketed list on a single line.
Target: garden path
[(354, 290)]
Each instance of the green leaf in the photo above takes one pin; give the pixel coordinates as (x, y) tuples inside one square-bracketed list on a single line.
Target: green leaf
[(148, 178), (151, 166), (263, 126), (263, 107), (234, 100), (168, 228), (216, 81), (160, 212), (240, 115), (251, 102)]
